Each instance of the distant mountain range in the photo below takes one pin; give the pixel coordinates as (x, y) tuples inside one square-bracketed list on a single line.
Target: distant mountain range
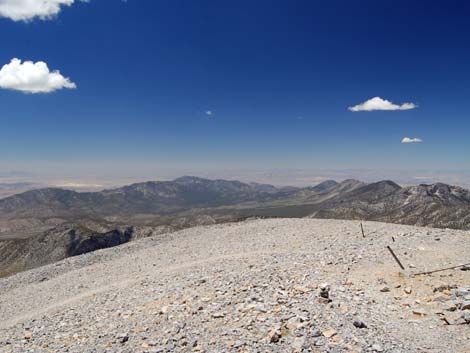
[(148, 197), (437, 205), (91, 220)]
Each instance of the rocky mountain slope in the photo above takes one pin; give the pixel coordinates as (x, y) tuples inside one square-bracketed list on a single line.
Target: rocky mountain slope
[(279, 285), (437, 205), (55, 245)]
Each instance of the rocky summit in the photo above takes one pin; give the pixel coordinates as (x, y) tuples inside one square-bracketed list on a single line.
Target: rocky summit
[(275, 285)]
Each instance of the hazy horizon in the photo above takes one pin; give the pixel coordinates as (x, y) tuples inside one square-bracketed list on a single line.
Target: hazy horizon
[(114, 175)]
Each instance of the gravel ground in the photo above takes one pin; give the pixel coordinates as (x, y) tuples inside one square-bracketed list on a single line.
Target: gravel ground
[(279, 285)]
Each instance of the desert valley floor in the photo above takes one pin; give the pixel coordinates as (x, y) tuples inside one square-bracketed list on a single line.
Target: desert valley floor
[(274, 285)]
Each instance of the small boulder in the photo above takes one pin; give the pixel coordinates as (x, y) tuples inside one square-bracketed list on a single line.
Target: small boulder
[(384, 289), (465, 305), (466, 316), (377, 348), (462, 292), (274, 335), (325, 291), (420, 312), (450, 306), (122, 338), (316, 333), (359, 324), (329, 333)]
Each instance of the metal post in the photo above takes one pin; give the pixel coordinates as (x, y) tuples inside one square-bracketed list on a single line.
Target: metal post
[(395, 257)]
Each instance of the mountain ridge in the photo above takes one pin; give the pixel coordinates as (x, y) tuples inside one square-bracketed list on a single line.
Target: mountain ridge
[(150, 196), (44, 225), (189, 192)]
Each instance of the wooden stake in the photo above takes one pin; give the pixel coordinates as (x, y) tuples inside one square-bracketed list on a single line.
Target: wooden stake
[(395, 257), (440, 270), (362, 230), (445, 320)]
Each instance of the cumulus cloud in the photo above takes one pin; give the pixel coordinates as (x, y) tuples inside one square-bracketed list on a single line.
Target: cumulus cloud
[(32, 77), (411, 140), (378, 103), (26, 10)]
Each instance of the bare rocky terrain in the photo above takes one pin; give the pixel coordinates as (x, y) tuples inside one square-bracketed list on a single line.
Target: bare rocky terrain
[(277, 285)]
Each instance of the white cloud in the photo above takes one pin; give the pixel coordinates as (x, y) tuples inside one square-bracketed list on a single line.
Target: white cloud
[(26, 10), (411, 140), (378, 103), (209, 113), (32, 77)]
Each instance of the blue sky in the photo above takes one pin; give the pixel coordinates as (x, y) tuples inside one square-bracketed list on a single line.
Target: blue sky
[(278, 77)]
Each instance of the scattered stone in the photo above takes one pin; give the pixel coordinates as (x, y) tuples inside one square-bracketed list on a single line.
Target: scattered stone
[(324, 300), (462, 292), (450, 306), (454, 318), (466, 316), (274, 307), (359, 324), (329, 333), (163, 310), (384, 289), (465, 305), (443, 287), (325, 291), (439, 297), (420, 312), (316, 333), (274, 335), (260, 308), (298, 344), (122, 338), (377, 348)]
